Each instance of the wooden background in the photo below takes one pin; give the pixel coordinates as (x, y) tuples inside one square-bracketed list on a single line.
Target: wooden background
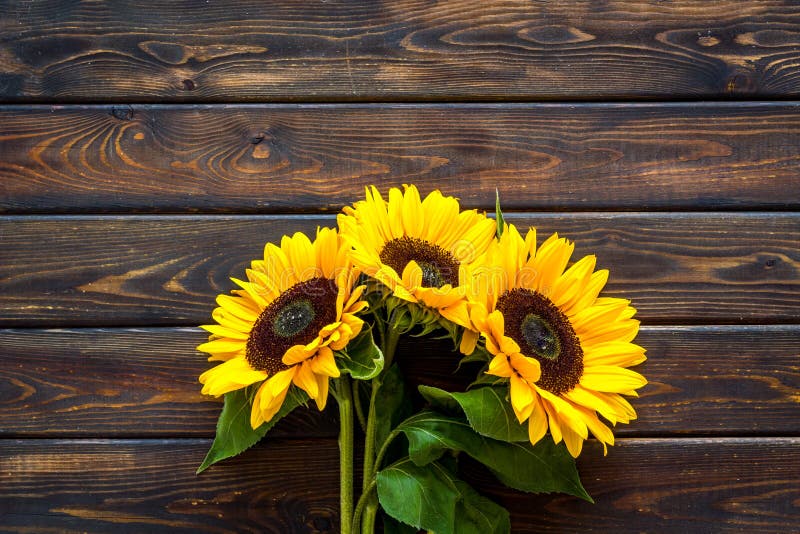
[(148, 152)]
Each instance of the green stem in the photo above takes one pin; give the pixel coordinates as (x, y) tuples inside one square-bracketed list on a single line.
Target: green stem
[(362, 502), (345, 399), (362, 420), (390, 345), (389, 341), (384, 448), (370, 514)]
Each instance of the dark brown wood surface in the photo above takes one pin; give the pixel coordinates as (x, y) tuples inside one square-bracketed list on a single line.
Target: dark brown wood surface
[(700, 484), (242, 50), (289, 158), (148, 150), (139, 270), (137, 382)]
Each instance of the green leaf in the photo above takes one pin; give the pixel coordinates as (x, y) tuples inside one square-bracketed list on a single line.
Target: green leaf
[(498, 213), (431, 498), (361, 358), (541, 468), (234, 433), (423, 497), (475, 514), (488, 410), (393, 526)]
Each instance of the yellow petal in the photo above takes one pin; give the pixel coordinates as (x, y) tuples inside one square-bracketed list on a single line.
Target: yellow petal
[(589, 293), (296, 354), (611, 379), (304, 379), (222, 345), (552, 421), (412, 275), (529, 368), (469, 339), (229, 376), (521, 397), (254, 292), (322, 386), (223, 331), (413, 217), (573, 441), (300, 252), (537, 422), (324, 363), (597, 428), (238, 306), (274, 394), (326, 249), (499, 366), (256, 416), (396, 212), (613, 353)]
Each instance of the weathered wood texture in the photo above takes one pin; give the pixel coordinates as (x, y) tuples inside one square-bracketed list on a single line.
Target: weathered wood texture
[(689, 485), (312, 158), (677, 268), (709, 380), (238, 50)]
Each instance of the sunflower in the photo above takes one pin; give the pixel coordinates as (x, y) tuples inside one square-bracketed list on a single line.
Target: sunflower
[(418, 248), (564, 350), (282, 326)]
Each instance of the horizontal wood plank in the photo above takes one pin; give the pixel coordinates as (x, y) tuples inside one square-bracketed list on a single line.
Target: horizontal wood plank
[(731, 484), (301, 158), (465, 49), (707, 380), (95, 271), (117, 382)]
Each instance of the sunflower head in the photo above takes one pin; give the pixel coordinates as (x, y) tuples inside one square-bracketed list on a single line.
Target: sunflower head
[(418, 248), (297, 306), (564, 350)]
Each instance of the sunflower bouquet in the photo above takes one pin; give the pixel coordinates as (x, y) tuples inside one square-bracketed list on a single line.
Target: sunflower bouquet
[(323, 318)]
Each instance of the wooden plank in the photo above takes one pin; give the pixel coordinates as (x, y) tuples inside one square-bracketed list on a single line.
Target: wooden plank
[(665, 485), (310, 158), (464, 49), (708, 380), (731, 484), (117, 382), (95, 271)]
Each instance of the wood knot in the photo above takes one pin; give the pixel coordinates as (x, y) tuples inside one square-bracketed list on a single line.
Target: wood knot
[(741, 82), (188, 85), (123, 113)]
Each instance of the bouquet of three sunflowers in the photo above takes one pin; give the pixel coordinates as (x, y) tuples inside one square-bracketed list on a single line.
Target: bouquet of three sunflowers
[(323, 318)]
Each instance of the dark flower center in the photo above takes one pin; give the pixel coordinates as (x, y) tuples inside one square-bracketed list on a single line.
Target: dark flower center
[(542, 331), (439, 267), (294, 318)]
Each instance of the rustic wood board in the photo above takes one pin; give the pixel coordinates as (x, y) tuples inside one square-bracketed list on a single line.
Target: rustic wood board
[(236, 50), (141, 270), (699, 484), (709, 380), (307, 158)]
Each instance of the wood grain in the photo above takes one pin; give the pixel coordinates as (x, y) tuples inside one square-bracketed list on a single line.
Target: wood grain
[(120, 271), (305, 158), (728, 484), (665, 485), (708, 380), (390, 50), (117, 382)]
